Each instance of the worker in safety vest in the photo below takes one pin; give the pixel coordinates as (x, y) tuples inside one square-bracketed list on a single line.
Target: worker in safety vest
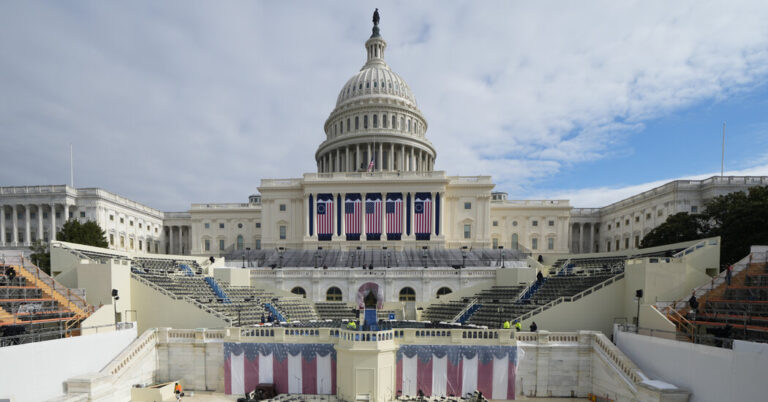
[(506, 324), (518, 325), (351, 325), (178, 391)]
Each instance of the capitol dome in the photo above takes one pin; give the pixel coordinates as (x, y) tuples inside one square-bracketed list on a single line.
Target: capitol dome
[(376, 124)]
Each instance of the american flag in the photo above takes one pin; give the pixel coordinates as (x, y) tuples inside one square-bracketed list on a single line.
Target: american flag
[(395, 215), (423, 216), (370, 165), (325, 216), (352, 216), (373, 216)]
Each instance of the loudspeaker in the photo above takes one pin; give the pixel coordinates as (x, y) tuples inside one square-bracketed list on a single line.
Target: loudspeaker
[(639, 293)]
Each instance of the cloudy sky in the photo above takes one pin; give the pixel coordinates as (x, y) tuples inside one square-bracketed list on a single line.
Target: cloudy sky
[(175, 102)]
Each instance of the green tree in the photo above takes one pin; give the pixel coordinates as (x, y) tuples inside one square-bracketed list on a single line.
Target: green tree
[(88, 233), (677, 228), (41, 256), (741, 220)]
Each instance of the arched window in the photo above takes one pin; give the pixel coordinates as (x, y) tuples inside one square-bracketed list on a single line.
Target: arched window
[(298, 290), (357, 122), (384, 121), (365, 121), (375, 121), (444, 291), (394, 121), (239, 242), (333, 294), (407, 294), (341, 127)]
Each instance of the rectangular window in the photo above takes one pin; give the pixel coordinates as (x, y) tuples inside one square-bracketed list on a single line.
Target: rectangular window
[(608, 245), (282, 207), (375, 121), (157, 246), (365, 121), (111, 240), (221, 225), (660, 213), (58, 215), (626, 243), (551, 243), (495, 243), (258, 225), (694, 209), (648, 216), (637, 241), (122, 241), (141, 245), (551, 223), (122, 220), (82, 214), (45, 215), (112, 217), (258, 244), (609, 227), (140, 225), (221, 244), (535, 223), (207, 225), (467, 205), (130, 223), (626, 222), (637, 219), (618, 224), (130, 242), (207, 245), (384, 121), (534, 244), (282, 232), (618, 244), (467, 231), (495, 223)]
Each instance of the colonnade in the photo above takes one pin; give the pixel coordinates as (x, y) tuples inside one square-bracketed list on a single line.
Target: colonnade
[(436, 219), (18, 238), (389, 157), (584, 231), (181, 245)]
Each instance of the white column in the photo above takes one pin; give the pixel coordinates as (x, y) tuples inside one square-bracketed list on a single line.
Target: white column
[(306, 215), (379, 157), (2, 225), (170, 239), (66, 211), (368, 160), (401, 166), (383, 223), (15, 220), (432, 220), (27, 229), (581, 238), (410, 162), (442, 214), (404, 211), (40, 222), (53, 221), (363, 235), (357, 157), (591, 237), (343, 216), (392, 157)]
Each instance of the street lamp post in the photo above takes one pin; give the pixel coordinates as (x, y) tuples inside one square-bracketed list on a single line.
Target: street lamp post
[(501, 251), (280, 251), (115, 298), (464, 256), (248, 253)]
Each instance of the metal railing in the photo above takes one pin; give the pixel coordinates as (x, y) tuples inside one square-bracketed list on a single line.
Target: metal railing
[(12, 340), (697, 338), (573, 298)]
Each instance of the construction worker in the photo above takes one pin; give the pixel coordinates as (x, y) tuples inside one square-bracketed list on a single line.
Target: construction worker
[(352, 325), (506, 325), (178, 391), (518, 325)]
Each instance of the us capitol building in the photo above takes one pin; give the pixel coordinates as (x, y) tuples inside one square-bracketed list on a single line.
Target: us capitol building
[(375, 187)]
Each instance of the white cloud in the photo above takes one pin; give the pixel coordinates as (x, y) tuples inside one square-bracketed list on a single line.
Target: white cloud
[(178, 102)]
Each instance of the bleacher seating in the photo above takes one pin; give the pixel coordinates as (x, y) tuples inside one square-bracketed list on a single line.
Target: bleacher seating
[(27, 314), (378, 258), (335, 311), (738, 311)]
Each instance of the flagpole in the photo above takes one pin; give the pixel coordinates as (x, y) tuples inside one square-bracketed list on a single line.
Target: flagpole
[(722, 155)]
